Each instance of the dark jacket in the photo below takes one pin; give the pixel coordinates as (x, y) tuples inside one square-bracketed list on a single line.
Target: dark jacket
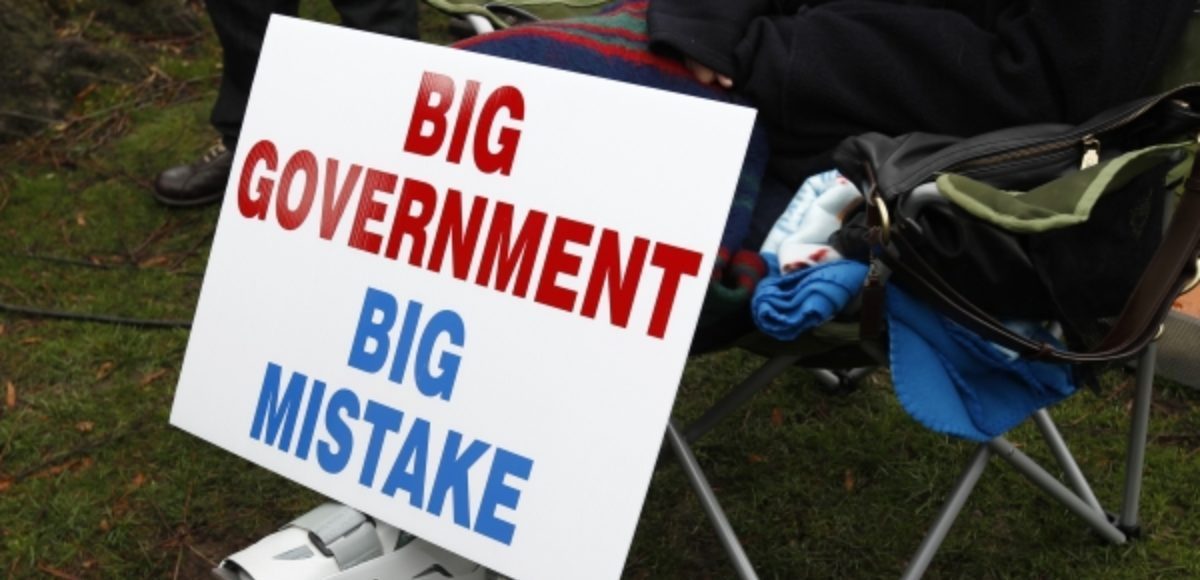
[(819, 71)]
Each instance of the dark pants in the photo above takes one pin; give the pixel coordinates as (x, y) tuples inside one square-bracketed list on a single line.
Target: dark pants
[(241, 25)]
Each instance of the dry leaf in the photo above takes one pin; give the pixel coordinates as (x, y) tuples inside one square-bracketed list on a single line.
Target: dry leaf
[(152, 376), (158, 72), (31, 340), (56, 572), (5, 484), (104, 525), (57, 469), (2, 329), (756, 458), (776, 417), (153, 261), (104, 370), (81, 95), (69, 465), (80, 219), (85, 426), (120, 508), (10, 395), (848, 480), (138, 481)]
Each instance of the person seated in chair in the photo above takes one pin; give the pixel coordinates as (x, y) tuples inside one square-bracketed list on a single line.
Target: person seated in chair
[(819, 71)]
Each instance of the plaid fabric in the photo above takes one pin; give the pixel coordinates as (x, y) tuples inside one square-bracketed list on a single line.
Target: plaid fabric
[(613, 44)]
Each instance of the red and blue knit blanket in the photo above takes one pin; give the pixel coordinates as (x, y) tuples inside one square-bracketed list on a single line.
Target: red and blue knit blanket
[(613, 44)]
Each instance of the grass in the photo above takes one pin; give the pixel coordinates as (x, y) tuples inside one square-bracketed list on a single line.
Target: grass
[(95, 484)]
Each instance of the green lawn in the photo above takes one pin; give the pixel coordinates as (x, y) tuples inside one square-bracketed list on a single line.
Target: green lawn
[(95, 484)]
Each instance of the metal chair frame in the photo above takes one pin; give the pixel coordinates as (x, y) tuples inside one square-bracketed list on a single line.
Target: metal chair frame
[(1076, 493)]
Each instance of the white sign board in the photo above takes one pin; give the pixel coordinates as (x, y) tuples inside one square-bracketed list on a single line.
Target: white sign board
[(457, 292)]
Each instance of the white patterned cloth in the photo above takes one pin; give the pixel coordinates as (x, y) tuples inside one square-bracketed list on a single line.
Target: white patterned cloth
[(799, 238)]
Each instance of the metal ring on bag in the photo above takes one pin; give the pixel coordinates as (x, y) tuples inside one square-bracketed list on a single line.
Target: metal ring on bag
[(1195, 280), (885, 222)]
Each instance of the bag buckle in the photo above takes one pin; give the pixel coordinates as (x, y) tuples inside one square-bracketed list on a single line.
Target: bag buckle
[(1091, 152), (884, 221)]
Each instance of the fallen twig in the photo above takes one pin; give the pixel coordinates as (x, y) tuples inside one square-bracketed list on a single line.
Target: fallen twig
[(192, 250), (100, 318), (206, 559), (83, 449), (20, 293), (134, 103), (134, 255), (27, 116), (62, 260), (56, 572)]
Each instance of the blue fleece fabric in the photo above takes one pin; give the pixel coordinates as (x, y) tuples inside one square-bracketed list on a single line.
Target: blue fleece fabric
[(786, 306), (952, 381)]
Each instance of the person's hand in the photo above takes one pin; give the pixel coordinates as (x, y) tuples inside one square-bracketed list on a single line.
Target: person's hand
[(707, 75)]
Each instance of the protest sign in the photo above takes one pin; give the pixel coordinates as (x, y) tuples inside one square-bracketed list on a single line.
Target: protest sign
[(457, 292)]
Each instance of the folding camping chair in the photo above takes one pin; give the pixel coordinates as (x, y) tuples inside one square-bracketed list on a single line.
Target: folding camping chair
[(1075, 493), (853, 360)]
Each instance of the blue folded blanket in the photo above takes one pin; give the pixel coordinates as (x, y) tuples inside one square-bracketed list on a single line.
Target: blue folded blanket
[(954, 382), (788, 305)]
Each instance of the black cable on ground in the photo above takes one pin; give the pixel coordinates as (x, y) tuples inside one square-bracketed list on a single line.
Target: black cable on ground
[(100, 318)]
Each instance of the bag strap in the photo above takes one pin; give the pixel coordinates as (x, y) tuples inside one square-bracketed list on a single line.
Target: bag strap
[(1164, 277), (1169, 272)]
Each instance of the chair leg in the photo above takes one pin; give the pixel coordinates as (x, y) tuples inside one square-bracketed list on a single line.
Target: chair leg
[(712, 507), (1065, 460), (842, 382), (950, 510), (1136, 453), (1040, 477)]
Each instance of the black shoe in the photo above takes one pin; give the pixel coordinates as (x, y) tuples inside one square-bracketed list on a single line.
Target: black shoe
[(199, 183)]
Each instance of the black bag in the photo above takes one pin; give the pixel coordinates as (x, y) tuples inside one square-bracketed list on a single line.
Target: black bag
[(1109, 280)]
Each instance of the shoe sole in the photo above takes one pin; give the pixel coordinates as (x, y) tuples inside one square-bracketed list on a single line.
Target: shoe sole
[(171, 202)]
